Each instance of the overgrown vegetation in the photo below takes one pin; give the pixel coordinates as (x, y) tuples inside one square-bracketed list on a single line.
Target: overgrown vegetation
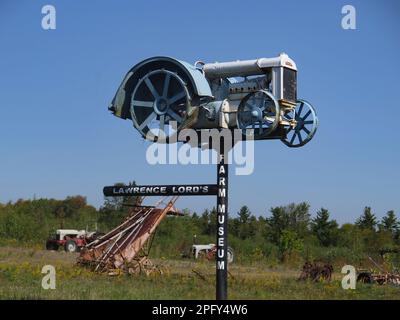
[(286, 234), (21, 277)]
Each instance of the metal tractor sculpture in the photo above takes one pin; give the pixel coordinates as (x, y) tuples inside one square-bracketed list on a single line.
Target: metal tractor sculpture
[(163, 96)]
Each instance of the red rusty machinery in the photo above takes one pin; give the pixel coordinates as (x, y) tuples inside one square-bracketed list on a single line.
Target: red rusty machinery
[(126, 247)]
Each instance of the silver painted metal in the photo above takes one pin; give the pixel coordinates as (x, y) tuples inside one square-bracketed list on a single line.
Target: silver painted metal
[(160, 90), (247, 67)]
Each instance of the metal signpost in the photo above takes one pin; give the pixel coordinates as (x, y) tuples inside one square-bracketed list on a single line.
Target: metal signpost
[(220, 190), (164, 96), (222, 229), (162, 190)]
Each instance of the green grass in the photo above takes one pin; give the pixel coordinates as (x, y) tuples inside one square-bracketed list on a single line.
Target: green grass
[(20, 278)]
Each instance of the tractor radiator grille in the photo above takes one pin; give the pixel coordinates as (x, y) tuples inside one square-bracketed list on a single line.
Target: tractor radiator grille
[(289, 85)]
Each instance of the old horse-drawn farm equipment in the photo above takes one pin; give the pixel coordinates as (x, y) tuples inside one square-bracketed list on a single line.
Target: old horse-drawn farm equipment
[(316, 271), (381, 278), (126, 247)]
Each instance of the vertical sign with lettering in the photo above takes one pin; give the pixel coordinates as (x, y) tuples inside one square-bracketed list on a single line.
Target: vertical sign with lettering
[(222, 228)]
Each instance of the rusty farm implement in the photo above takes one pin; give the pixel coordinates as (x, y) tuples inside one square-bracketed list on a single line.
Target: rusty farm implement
[(126, 247)]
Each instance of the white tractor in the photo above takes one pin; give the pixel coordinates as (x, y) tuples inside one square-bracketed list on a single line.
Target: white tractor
[(72, 240), (208, 251)]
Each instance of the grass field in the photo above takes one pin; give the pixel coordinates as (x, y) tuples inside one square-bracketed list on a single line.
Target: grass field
[(20, 278)]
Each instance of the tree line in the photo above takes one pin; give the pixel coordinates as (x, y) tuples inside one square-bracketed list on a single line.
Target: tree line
[(286, 234)]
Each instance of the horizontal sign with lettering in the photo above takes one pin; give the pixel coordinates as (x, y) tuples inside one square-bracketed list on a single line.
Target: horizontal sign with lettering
[(162, 190)]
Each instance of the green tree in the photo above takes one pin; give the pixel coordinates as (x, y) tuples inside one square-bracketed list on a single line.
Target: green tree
[(208, 222), (212, 225), (60, 214), (242, 224), (350, 237), (195, 217), (115, 209), (289, 242), (367, 220), (244, 214), (204, 221), (293, 217), (73, 204), (276, 224), (324, 229), (120, 203), (389, 223)]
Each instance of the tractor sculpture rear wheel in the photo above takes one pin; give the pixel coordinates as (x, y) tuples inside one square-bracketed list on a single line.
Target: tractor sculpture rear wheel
[(159, 98)]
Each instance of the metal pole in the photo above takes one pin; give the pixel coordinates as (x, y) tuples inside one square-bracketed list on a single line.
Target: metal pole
[(222, 227)]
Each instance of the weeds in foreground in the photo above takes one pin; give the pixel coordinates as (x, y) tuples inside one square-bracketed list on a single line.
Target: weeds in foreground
[(20, 278)]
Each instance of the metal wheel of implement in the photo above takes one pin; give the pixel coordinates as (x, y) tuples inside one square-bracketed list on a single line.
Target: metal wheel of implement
[(159, 99), (258, 114), (365, 277), (306, 125)]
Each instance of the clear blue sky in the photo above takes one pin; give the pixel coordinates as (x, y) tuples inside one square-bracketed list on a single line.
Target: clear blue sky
[(57, 137)]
